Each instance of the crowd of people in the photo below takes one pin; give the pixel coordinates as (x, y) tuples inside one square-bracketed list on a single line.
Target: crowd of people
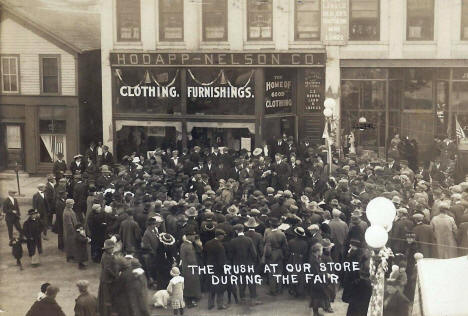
[(150, 217)]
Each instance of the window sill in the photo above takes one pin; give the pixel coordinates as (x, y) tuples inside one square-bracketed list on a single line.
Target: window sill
[(124, 45), (415, 42), (350, 42), (166, 44), (259, 44)]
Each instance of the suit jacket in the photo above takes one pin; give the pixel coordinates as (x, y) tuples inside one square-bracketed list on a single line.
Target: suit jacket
[(11, 210), (59, 168), (40, 204), (215, 254), (242, 250), (49, 194), (257, 240), (107, 159), (276, 246), (74, 168)]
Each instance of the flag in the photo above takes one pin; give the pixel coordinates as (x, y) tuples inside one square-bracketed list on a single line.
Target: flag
[(459, 129)]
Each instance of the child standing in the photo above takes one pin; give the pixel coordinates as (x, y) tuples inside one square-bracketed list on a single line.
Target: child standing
[(17, 249), (176, 291)]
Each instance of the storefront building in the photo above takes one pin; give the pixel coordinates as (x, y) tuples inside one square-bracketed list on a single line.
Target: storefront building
[(42, 87), (398, 64)]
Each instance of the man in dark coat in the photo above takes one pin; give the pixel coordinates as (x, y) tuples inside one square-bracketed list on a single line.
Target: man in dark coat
[(39, 203), (359, 298), (48, 305), (49, 193), (256, 237), (109, 274), (32, 228), (276, 250), (130, 233), (424, 237), (281, 173), (85, 303), (97, 228), (80, 194), (242, 252), (215, 254), (298, 254), (107, 158), (12, 214), (59, 207), (60, 167)]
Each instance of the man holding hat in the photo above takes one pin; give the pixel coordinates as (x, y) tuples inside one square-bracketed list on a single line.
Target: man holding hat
[(12, 214)]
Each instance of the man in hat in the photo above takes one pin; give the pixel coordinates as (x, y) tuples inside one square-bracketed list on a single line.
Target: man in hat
[(401, 227), (107, 158), (276, 250), (69, 227), (150, 244), (50, 197), (256, 237), (59, 208), (77, 165), (32, 229), (215, 254), (280, 173), (85, 303), (97, 225), (355, 254), (130, 233), (60, 167), (242, 252), (48, 305), (12, 214), (39, 203), (339, 232), (80, 195), (298, 254), (109, 273), (445, 231), (424, 236)]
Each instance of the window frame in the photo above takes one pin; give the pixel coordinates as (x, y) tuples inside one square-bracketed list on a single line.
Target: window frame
[(296, 32), (119, 33), (377, 39), (407, 24), (59, 73), (204, 12), (161, 27), (18, 81), (464, 7), (248, 11)]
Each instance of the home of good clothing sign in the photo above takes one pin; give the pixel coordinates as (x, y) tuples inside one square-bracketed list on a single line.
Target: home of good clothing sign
[(278, 91), (218, 59)]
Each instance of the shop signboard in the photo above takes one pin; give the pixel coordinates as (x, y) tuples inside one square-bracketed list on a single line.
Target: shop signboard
[(314, 89), (335, 22), (278, 92)]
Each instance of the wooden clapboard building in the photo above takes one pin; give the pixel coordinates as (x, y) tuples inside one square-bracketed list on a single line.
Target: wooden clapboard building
[(50, 79)]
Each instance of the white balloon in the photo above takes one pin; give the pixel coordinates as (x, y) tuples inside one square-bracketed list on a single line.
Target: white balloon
[(380, 211), (327, 112), (329, 103), (376, 236)]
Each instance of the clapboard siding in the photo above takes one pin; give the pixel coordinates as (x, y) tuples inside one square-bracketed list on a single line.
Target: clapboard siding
[(17, 39)]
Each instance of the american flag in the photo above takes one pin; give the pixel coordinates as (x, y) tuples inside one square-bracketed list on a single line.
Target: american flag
[(459, 130)]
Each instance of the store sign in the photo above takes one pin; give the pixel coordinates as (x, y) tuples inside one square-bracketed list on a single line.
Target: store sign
[(218, 59), (278, 94), (335, 22), (314, 90)]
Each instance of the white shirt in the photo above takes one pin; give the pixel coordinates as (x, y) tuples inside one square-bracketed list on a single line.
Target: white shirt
[(12, 200)]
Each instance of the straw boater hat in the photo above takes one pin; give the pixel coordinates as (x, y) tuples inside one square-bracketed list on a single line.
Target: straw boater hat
[(251, 223), (191, 212), (166, 239), (257, 151), (233, 210), (105, 169), (175, 271), (299, 231)]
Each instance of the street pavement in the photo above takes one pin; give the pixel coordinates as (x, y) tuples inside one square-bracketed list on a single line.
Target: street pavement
[(19, 289)]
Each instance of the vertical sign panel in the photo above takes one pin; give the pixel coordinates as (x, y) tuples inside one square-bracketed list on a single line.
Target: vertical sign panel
[(335, 22)]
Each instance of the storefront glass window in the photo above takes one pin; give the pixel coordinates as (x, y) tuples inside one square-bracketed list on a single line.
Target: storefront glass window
[(420, 20), (217, 91), (363, 94), (441, 115), (460, 96), (171, 20), (214, 20), (364, 73), (52, 139), (418, 85), (259, 20), (138, 90), (364, 24), (128, 20), (140, 139), (307, 20)]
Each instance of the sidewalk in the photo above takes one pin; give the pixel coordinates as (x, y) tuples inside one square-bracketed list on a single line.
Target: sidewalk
[(28, 186)]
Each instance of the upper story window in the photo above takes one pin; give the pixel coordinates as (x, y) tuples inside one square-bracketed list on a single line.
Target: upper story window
[(307, 22), (464, 21), (10, 74), (50, 74), (364, 20), (259, 20), (215, 20), (171, 20), (128, 20), (420, 20)]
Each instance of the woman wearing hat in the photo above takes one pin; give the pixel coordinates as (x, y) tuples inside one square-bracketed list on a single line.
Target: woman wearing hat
[(32, 229), (188, 256), (165, 258)]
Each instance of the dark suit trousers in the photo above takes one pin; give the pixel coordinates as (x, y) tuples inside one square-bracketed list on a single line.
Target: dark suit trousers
[(218, 292), (252, 290), (16, 224)]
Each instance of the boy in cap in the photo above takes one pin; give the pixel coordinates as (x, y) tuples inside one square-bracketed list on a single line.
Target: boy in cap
[(85, 303)]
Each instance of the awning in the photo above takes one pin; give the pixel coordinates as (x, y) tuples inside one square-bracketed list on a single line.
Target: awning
[(121, 123), (250, 126)]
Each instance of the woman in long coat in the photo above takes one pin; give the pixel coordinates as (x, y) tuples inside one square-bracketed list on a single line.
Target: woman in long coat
[(32, 229), (188, 256), (69, 224)]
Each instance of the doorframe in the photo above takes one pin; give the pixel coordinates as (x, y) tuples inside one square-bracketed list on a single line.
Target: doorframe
[(21, 124)]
